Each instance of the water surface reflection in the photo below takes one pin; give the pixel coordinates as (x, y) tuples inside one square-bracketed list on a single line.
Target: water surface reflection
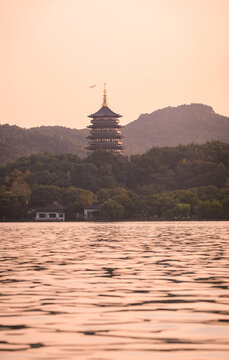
[(114, 290)]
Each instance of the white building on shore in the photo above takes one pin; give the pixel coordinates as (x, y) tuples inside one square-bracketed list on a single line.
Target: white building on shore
[(53, 212)]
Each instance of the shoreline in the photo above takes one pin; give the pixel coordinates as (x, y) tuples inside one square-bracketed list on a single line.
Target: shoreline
[(104, 221)]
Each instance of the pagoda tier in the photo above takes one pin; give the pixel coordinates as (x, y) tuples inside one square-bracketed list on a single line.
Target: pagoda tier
[(103, 145), (104, 125), (105, 133), (100, 136)]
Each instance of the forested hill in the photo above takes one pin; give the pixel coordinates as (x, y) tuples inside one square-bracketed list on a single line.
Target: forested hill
[(170, 126), (16, 142), (187, 181)]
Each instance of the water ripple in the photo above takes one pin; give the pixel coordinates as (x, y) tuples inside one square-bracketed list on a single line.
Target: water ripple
[(114, 291)]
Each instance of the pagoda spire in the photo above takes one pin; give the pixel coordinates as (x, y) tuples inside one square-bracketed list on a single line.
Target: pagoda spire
[(105, 96)]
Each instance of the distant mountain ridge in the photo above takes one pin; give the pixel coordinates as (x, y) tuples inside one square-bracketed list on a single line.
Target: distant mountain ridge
[(171, 126), (16, 142)]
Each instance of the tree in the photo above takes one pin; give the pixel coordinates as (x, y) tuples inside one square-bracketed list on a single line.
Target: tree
[(85, 176), (17, 183), (111, 210), (181, 211), (75, 200), (159, 204), (187, 197), (44, 195), (200, 173), (12, 207), (225, 204), (209, 210), (121, 196)]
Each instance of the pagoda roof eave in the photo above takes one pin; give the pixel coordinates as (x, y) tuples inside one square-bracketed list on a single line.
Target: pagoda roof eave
[(104, 112)]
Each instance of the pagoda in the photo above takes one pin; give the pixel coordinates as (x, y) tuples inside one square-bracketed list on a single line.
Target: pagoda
[(105, 129)]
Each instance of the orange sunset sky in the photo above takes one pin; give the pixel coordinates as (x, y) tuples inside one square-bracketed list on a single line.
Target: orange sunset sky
[(151, 54)]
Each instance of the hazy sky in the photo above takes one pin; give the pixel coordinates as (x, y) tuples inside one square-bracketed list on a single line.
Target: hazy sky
[(151, 54)]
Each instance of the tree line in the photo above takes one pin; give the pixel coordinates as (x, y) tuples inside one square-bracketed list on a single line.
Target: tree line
[(168, 183)]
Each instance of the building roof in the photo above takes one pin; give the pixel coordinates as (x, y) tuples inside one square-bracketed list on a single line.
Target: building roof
[(54, 207), (105, 112), (95, 206)]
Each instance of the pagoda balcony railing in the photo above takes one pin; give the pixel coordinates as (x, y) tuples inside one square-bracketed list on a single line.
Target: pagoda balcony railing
[(117, 147), (105, 131), (105, 140), (105, 136), (104, 126), (105, 146), (105, 118), (117, 151), (108, 121)]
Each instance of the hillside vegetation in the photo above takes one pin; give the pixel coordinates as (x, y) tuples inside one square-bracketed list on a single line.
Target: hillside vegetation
[(183, 182), (16, 142), (171, 126)]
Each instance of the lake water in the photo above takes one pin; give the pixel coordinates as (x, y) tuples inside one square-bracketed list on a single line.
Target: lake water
[(105, 291)]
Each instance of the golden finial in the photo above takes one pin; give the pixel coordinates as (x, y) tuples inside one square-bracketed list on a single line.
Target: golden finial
[(105, 96)]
